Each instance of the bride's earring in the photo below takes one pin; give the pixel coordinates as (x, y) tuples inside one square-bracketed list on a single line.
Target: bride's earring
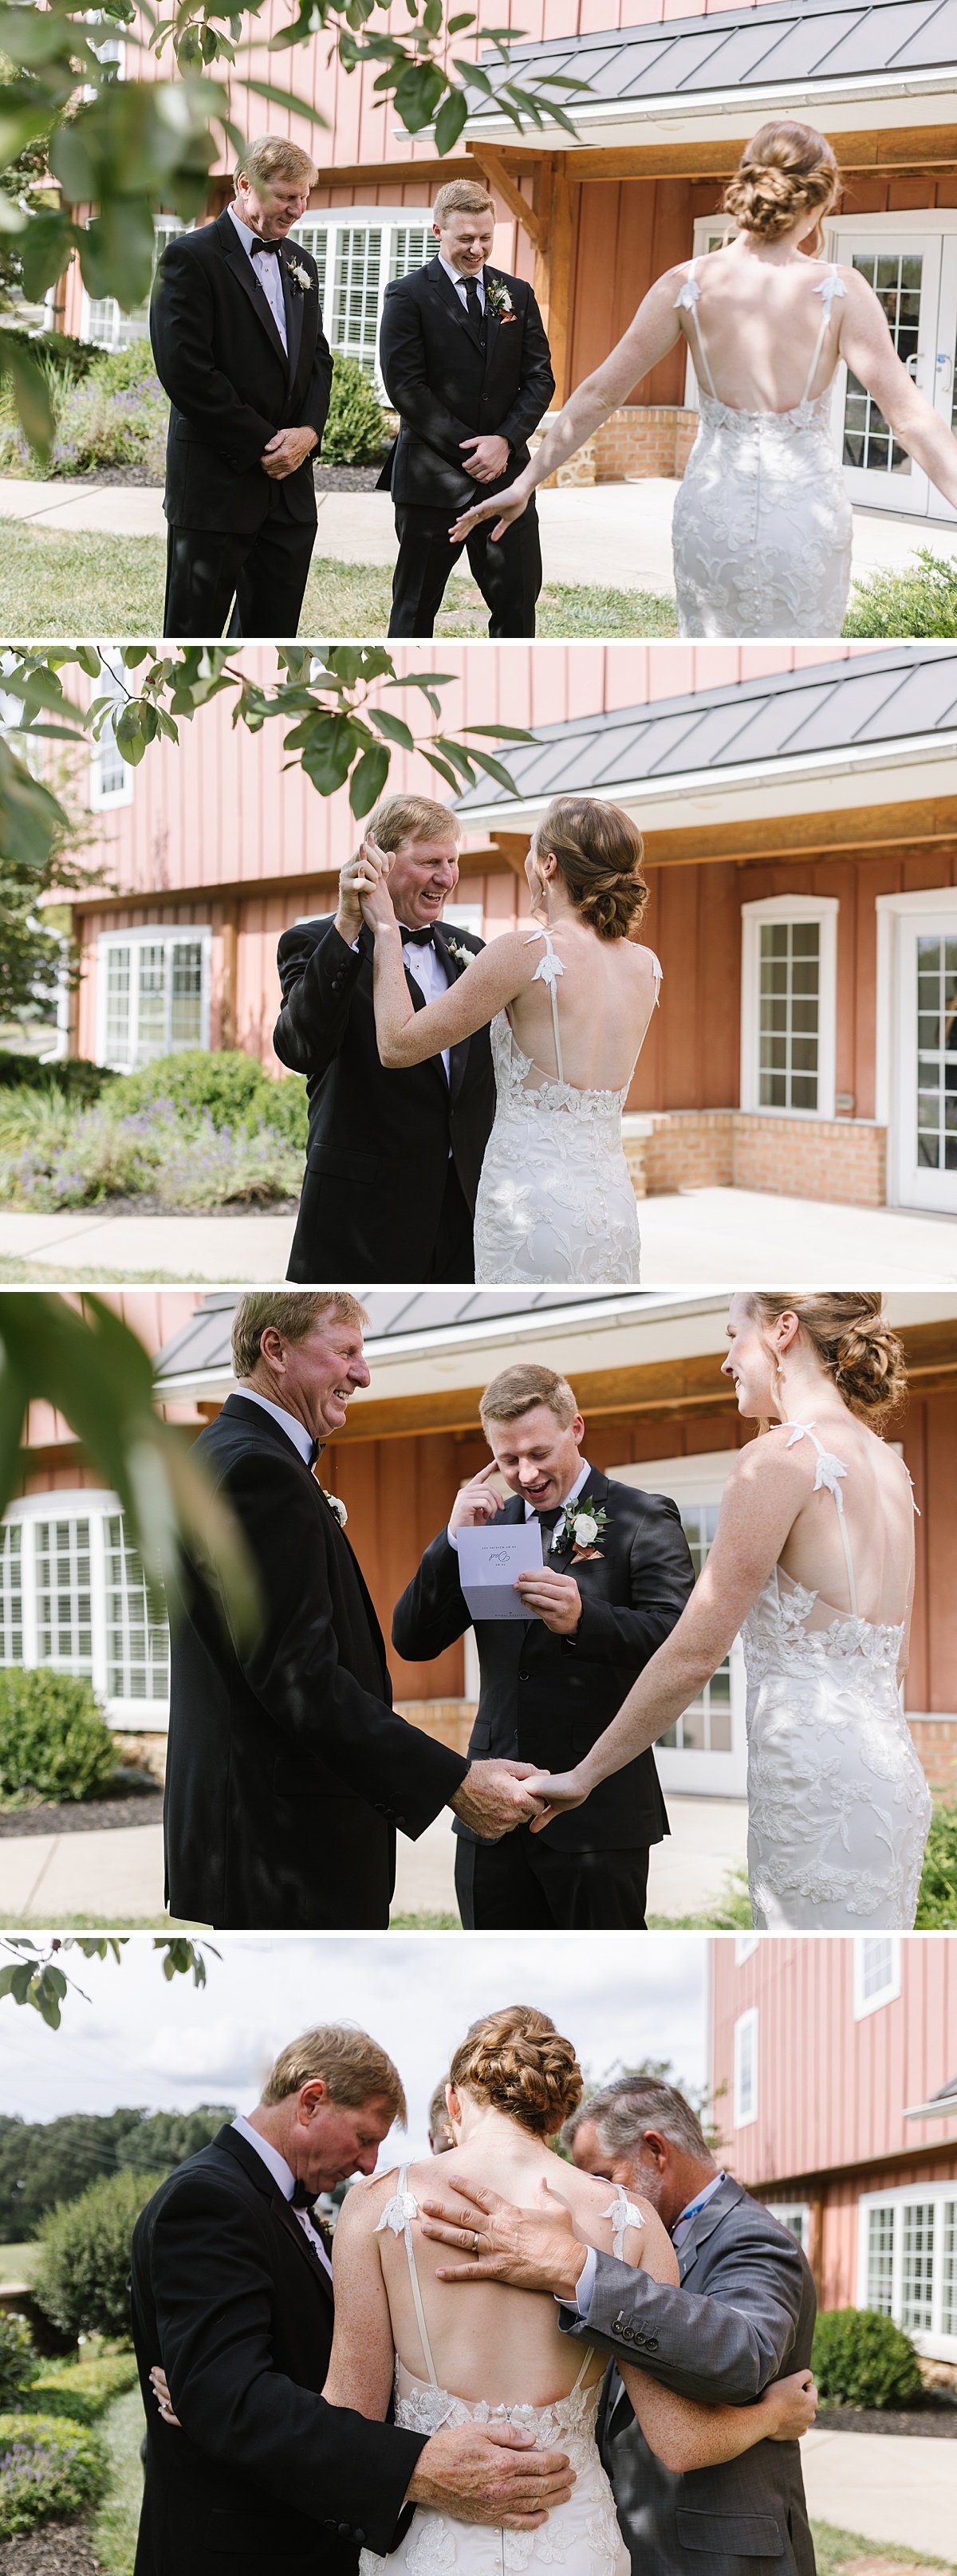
[(777, 1385)]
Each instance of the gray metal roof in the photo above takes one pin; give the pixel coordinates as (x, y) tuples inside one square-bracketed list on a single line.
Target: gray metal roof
[(780, 42), (203, 1344), (879, 698)]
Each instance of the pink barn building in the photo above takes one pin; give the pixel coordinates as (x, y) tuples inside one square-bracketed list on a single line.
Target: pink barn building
[(673, 94), (835, 2064), (799, 807)]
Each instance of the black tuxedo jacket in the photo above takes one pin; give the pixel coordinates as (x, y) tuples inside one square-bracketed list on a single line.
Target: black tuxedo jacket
[(544, 1698), (229, 2295), (742, 2316), (378, 1140), (446, 387), (288, 1770), (220, 358)]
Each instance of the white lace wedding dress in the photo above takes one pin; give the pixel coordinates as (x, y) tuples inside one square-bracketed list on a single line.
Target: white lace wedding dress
[(762, 522), (555, 1197), (838, 1806), (581, 2537)]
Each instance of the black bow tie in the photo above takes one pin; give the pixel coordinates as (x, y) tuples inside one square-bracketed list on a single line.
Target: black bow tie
[(302, 2197), (415, 938), (259, 248), (315, 1451)]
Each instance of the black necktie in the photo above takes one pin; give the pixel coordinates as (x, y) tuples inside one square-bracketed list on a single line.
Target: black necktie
[(549, 1520), (415, 938), (473, 307)]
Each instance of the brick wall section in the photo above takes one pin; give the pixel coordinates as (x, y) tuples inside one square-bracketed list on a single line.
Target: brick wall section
[(650, 438), (839, 1159), (935, 1740)]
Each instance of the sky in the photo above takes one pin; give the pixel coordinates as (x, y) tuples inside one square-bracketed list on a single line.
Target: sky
[(129, 2038)]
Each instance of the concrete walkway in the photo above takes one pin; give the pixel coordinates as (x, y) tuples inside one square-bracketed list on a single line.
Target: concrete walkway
[(690, 1239), (118, 1875), (614, 534), (891, 2488)]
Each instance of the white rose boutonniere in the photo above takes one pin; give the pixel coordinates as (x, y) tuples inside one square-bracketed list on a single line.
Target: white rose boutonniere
[(498, 300), (299, 277), (586, 1528), (462, 956), (336, 1506)]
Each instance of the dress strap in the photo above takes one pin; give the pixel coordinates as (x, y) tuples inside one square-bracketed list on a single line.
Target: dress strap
[(687, 300), (827, 288), (830, 1472), (398, 2215), (623, 2214), (547, 972)]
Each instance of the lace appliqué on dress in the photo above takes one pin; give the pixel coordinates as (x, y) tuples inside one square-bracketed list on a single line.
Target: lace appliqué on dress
[(623, 2215), (398, 2213)]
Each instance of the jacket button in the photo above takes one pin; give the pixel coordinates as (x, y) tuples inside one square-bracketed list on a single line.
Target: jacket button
[(400, 1822), (651, 2342), (345, 2531), (523, 1677), (360, 2537)]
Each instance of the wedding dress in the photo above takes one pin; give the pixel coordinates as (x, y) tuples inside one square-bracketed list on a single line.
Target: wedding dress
[(581, 2537), (555, 1197), (838, 1806), (762, 522)]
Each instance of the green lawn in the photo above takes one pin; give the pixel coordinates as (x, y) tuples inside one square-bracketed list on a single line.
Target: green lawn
[(18, 2262), (56, 583), (114, 2527), (838, 2552)]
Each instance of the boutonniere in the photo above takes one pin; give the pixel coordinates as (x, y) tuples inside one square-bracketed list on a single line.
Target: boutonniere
[(299, 278), (335, 1506), (587, 1528), (498, 300), (462, 956)]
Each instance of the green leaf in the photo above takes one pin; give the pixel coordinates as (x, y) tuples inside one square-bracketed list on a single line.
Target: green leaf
[(327, 752), (394, 728), (31, 391), (450, 120), (286, 99), (368, 779), (46, 251)]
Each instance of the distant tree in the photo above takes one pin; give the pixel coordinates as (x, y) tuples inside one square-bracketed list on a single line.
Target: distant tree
[(44, 2162)]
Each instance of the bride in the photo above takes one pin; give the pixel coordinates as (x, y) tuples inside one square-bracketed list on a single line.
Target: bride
[(762, 522), (497, 2350), (813, 1560), (569, 1002)]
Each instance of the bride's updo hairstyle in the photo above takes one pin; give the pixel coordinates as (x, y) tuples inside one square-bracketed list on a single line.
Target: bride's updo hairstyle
[(598, 851), (853, 1344), (786, 171), (517, 2062)]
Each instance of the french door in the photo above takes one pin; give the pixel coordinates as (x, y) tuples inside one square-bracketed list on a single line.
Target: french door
[(926, 1088), (911, 263), (705, 1753)]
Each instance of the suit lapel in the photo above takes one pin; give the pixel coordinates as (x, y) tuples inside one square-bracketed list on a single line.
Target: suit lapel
[(233, 2145), (241, 266), (290, 2224), (450, 297), (593, 1490), (459, 1054), (492, 322), (294, 316), (707, 2220), (431, 1063)]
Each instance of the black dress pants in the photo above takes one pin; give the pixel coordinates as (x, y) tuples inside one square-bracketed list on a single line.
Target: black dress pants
[(525, 1884), (509, 574), (334, 1238), (260, 576)]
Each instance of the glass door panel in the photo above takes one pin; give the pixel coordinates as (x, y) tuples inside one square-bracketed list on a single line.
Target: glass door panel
[(927, 1089), (904, 271)]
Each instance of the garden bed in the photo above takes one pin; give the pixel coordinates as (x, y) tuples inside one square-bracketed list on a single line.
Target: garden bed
[(139, 1805), (61, 2549), (935, 2418)]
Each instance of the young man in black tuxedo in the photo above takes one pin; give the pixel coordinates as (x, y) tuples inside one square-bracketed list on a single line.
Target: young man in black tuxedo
[(237, 337), (247, 2468), (603, 1604), (288, 1772), (465, 362), (393, 1159)]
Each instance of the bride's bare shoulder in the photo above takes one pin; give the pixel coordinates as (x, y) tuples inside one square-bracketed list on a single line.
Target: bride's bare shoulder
[(365, 2201)]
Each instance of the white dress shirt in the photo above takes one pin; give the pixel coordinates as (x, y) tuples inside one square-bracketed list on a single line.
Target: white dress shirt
[(288, 1422), (460, 283), (585, 2283), (285, 2181), (266, 267)]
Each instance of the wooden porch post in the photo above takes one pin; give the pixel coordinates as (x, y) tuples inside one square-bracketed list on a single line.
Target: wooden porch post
[(553, 261)]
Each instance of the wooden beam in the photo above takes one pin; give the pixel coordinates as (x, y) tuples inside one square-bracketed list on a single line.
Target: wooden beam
[(930, 823), (912, 148), (493, 169)]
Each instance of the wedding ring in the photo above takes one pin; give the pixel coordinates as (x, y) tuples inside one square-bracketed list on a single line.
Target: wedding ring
[(475, 2242)]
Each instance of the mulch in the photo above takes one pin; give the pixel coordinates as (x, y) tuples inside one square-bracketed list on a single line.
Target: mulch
[(327, 478), (936, 2420), (141, 1803), (58, 2549)]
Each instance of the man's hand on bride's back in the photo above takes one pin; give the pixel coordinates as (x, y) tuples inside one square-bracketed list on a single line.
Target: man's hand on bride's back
[(534, 2250), (490, 2474), (493, 1798)]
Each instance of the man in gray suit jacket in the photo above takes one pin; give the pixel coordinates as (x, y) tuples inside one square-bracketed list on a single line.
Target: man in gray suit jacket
[(742, 2317)]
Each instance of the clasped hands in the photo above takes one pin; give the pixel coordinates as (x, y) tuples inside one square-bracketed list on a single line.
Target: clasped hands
[(285, 451)]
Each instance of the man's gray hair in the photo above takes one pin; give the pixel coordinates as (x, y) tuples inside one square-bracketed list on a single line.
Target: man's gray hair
[(622, 2112)]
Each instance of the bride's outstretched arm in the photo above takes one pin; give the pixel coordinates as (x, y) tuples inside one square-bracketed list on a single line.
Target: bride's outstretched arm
[(362, 2357), (653, 332), (763, 1495), (865, 342), (407, 1036)]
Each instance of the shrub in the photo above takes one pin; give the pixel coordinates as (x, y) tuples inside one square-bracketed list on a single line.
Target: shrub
[(82, 2279), (82, 2389), (862, 2359), (70, 1078), (355, 432), (54, 1740), (110, 410), (46, 2467), (920, 601), (18, 2361), (232, 1087), (937, 1902)]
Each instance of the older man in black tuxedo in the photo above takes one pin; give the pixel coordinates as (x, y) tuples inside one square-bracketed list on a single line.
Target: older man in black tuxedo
[(289, 1772), (237, 337), (393, 1160), (466, 363), (616, 1576), (247, 2468)]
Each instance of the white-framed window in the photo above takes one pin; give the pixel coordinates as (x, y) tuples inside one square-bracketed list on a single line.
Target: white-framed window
[(73, 1595), (357, 251), (152, 994), (104, 320), (111, 777), (746, 2068), (877, 1971), (744, 1944), (789, 1005), (907, 2262), (795, 2215), (705, 1752), (109, 47)]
